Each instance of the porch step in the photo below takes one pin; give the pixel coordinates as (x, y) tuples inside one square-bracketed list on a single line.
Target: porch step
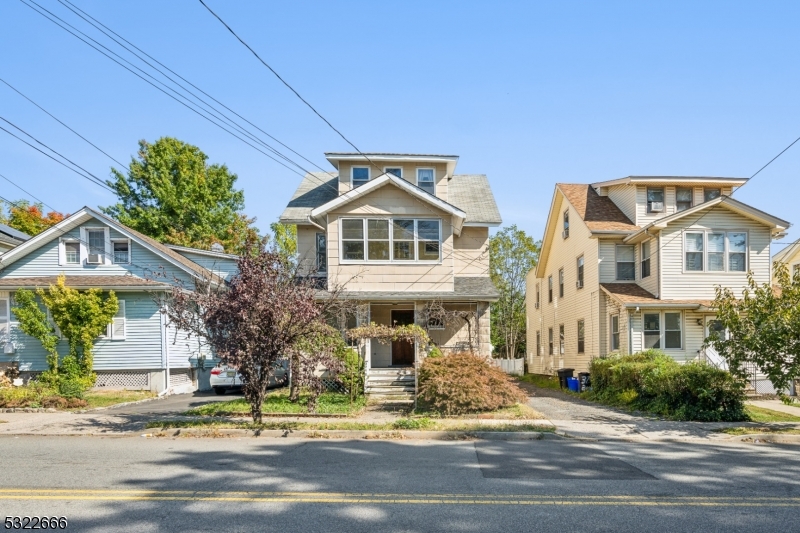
[(390, 385)]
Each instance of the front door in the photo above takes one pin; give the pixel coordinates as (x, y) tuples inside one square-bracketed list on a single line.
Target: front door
[(402, 351)]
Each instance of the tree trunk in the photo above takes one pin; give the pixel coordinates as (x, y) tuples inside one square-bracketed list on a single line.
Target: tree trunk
[(256, 395), (294, 389)]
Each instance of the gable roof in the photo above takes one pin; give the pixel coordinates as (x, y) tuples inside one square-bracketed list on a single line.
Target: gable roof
[(599, 213), (74, 220), (14, 233), (470, 193), (390, 179), (787, 252), (775, 224)]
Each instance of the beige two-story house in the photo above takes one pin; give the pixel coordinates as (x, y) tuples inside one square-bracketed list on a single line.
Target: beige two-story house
[(398, 231), (632, 264)]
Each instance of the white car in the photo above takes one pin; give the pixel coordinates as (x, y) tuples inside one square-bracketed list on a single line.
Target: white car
[(224, 378)]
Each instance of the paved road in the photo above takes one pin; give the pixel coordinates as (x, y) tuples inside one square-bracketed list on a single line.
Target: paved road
[(184, 484)]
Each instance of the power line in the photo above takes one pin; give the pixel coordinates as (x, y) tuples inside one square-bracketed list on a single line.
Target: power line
[(770, 161), (60, 122), (280, 78), (29, 194)]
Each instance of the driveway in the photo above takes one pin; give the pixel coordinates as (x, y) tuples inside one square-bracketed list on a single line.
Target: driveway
[(175, 404)]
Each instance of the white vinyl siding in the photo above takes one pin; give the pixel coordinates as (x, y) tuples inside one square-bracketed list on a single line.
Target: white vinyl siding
[(624, 196), (680, 283), (650, 283), (118, 327)]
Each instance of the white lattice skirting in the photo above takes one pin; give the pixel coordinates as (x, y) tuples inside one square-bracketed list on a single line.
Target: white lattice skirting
[(123, 380)]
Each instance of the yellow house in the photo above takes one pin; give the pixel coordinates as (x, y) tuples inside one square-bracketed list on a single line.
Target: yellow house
[(632, 264), (399, 231)]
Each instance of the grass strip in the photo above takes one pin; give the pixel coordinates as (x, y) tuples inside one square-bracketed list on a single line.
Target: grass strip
[(352, 426), (540, 380), (112, 397), (762, 415), (277, 402), (759, 430)]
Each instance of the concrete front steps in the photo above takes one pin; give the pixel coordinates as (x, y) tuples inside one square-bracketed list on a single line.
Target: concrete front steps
[(390, 385)]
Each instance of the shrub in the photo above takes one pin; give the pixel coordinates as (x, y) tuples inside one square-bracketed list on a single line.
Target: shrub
[(465, 383), (654, 382), (434, 351), (413, 423)]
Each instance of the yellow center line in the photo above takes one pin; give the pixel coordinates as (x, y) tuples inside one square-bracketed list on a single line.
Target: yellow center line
[(377, 498)]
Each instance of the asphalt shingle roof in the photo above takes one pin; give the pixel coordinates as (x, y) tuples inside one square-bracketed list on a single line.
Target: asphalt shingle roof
[(13, 233), (469, 192), (80, 282), (599, 213), (631, 293)]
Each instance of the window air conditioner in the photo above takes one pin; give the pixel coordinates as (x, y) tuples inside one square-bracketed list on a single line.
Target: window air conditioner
[(565, 234), (656, 207), (536, 305), (579, 284), (94, 259)]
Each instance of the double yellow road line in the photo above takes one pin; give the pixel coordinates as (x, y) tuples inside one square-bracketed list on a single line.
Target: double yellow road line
[(379, 498)]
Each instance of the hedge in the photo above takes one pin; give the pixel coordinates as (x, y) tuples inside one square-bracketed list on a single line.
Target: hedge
[(654, 382)]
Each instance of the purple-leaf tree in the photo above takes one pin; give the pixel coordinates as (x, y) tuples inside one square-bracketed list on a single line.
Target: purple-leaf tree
[(258, 318)]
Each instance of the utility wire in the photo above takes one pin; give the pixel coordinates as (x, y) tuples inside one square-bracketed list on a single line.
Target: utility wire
[(60, 122), (287, 84), (29, 194)]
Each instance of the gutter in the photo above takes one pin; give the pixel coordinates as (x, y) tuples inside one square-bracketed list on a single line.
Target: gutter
[(311, 221)]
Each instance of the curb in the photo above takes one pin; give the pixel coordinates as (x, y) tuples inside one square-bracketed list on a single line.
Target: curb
[(767, 438), (353, 434)]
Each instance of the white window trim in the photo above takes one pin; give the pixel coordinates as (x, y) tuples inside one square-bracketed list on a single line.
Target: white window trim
[(662, 334), (616, 246), (647, 201), (62, 251), (433, 171), (611, 347), (113, 257), (369, 174), (316, 253), (124, 319), (391, 260), (386, 171), (726, 232), (106, 258), (580, 281)]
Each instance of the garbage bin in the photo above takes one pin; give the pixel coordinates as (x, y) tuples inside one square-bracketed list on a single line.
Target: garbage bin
[(586, 383), (563, 374), (573, 384)]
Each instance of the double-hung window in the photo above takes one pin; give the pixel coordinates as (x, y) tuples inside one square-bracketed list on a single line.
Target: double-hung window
[(579, 282), (118, 327), (539, 296), (359, 176), (396, 171), (614, 332), (550, 289), (97, 245), (715, 251), (684, 198), (561, 340), (425, 180), (645, 259), (561, 283), (581, 336), (711, 194), (384, 239), (538, 342), (322, 253), (566, 224), (655, 199), (122, 251), (550, 341), (663, 330), (72, 252), (626, 263)]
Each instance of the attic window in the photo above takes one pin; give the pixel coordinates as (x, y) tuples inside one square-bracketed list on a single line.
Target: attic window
[(122, 251), (565, 233), (655, 199), (683, 198), (710, 194), (359, 176), (395, 171), (425, 180), (72, 252)]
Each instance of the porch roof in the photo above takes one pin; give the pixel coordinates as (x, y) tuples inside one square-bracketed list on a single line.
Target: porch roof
[(479, 289), (633, 295)]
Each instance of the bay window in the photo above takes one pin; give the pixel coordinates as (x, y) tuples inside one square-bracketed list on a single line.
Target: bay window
[(387, 239)]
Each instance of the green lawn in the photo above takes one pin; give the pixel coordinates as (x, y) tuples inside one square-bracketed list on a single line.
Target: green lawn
[(540, 380), (760, 430), (515, 412), (329, 403), (405, 424), (105, 398), (759, 414)]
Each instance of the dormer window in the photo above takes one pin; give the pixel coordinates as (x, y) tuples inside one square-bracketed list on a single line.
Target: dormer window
[(711, 194), (655, 199), (359, 176), (425, 180), (683, 198), (395, 171)]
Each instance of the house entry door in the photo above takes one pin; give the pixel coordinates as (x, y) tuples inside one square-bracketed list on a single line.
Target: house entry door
[(402, 351)]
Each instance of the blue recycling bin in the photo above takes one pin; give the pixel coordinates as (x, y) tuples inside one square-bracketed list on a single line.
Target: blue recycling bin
[(574, 384)]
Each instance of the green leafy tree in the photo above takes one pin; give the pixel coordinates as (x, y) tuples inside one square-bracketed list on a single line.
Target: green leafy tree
[(172, 195), (81, 317), (763, 327), (512, 254), (284, 238)]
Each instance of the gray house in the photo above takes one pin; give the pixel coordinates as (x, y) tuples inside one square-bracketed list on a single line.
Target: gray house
[(139, 351), (10, 238)]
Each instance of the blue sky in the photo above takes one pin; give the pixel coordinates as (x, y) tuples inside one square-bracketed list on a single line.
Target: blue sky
[(528, 93)]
